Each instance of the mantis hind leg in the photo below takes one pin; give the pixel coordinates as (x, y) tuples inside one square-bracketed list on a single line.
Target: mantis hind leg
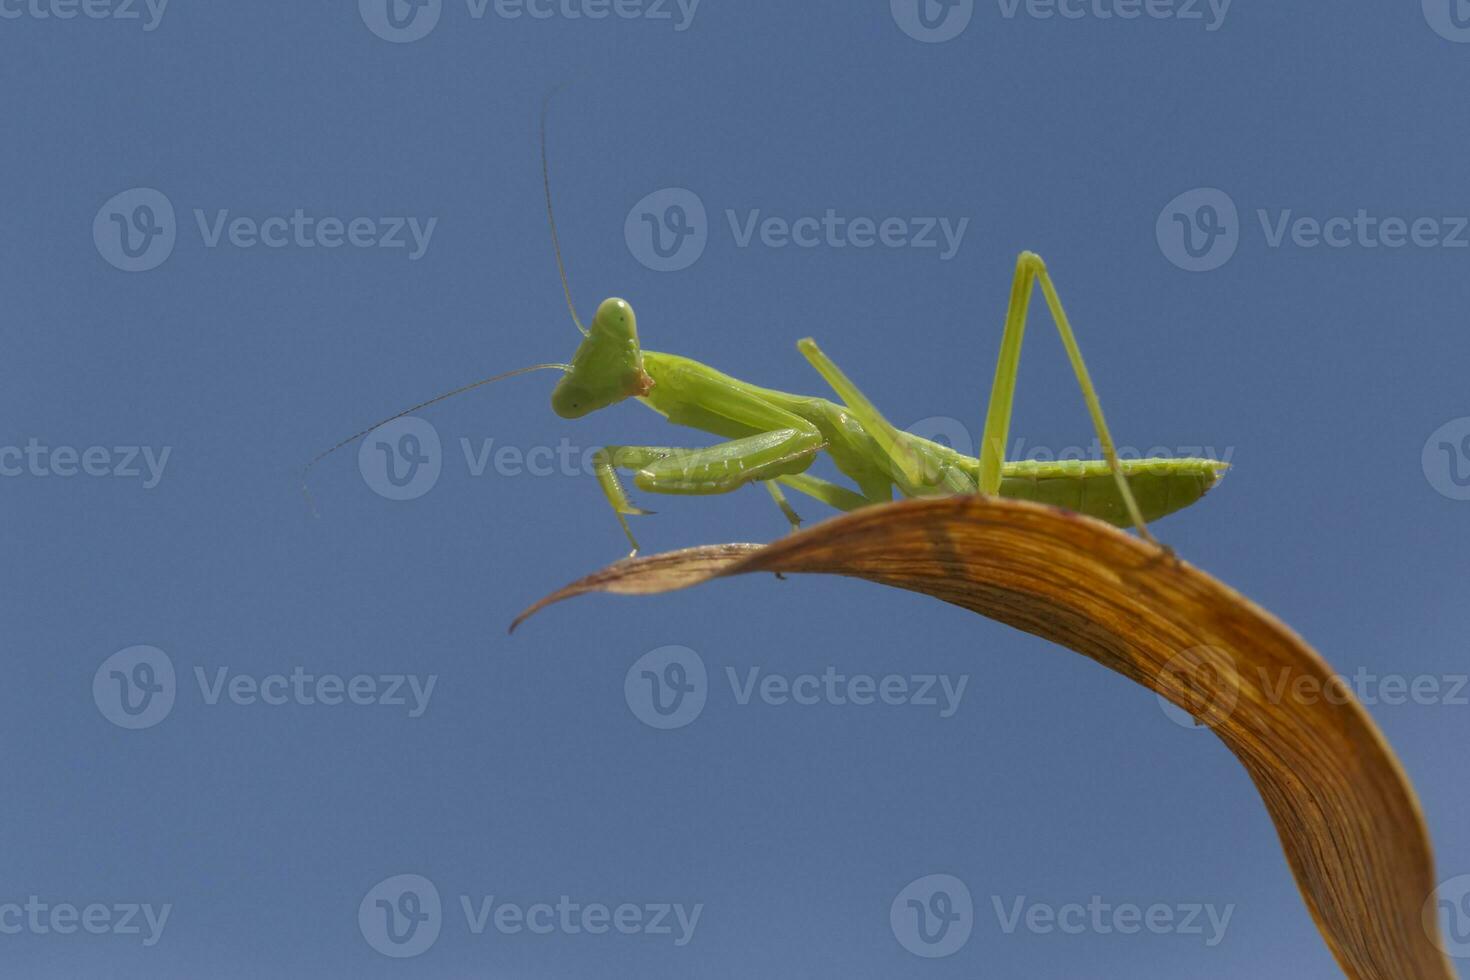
[(1030, 270)]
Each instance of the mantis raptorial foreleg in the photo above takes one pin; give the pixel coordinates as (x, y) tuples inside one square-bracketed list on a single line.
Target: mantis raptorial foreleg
[(1030, 270), (782, 445), (716, 469)]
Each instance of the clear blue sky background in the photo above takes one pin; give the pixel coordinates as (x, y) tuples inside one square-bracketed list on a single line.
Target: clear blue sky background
[(1322, 370)]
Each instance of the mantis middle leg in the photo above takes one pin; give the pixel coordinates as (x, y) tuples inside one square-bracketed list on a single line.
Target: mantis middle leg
[(829, 493), (916, 472)]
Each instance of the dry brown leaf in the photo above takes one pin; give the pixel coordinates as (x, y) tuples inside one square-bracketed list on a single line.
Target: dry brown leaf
[(1345, 811)]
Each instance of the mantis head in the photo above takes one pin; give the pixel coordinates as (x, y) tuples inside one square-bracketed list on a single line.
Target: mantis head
[(607, 367)]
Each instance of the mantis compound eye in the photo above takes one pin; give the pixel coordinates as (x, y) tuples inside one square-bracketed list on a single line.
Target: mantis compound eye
[(615, 317), (571, 401)]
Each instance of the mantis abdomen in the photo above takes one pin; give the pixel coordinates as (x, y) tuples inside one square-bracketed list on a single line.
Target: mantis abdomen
[(1160, 486)]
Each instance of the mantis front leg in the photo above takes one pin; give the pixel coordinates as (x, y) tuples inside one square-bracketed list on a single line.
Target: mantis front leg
[(1030, 269), (715, 469)]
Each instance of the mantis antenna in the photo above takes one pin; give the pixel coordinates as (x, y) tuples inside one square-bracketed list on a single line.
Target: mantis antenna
[(551, 215), (409, 411), (571, 307)]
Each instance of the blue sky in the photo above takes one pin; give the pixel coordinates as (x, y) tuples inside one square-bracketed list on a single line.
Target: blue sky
[(237, 233)]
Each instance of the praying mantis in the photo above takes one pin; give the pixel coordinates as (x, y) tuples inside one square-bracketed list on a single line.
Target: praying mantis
[(773, 437)]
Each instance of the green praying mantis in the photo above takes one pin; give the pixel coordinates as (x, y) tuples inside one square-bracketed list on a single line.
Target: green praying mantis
[(773, 437)]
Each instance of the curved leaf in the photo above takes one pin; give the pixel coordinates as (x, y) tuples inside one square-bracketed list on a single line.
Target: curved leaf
[(1347, 817)]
